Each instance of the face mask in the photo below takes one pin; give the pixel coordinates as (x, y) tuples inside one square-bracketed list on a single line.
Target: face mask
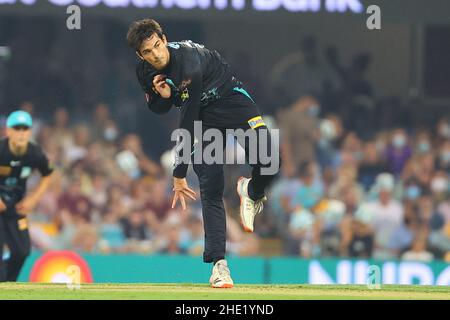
[(399, 141), (439, 185), (412, 192), (314, 111), (423, 147), (110, 134)]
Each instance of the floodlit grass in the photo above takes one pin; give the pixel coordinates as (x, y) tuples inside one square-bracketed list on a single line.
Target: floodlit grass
[(22, 291)]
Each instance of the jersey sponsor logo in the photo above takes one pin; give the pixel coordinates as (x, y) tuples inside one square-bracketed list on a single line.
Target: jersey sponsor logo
[(25, 173), (184, 95), (184, 90), (256, 122), (5, 170)]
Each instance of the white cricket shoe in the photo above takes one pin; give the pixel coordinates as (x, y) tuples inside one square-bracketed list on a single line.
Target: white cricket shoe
[(221, 277), (248, 208)]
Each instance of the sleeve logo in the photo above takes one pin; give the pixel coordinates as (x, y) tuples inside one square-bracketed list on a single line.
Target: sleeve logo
[(256, 122)]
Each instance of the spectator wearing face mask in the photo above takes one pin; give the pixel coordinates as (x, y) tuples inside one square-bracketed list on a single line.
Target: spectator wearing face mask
[(388, 220), (330, 134), (411, 190), (422, 143), (398, 152)]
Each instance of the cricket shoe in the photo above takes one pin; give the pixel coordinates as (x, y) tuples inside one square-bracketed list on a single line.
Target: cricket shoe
[(221, 277), (249, 208)]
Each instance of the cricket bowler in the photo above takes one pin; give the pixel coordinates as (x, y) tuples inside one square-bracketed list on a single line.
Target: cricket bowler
[(200, 83)]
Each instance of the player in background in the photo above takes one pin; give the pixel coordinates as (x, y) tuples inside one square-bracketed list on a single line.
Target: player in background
[(18, 158)]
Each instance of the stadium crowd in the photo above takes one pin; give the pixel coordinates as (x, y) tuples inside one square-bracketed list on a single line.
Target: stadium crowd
[(362, 176), (337, 194)]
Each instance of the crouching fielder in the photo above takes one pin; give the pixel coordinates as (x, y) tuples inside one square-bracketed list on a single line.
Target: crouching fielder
[(18, 158)]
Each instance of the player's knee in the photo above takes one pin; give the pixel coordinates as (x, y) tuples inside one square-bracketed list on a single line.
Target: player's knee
[(212, 192)]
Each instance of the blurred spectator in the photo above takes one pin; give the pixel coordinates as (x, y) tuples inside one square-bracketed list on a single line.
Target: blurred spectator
[(358, 232), (442, 130), (75, 202), (310, 190), (101, 119), (171, 241), (330, 214), (422, 143), (443, 158), (398, 152), (86, 238), (239, 242), (330, 133), (371, 166), (390, 233), (299, 123), (158, 201), (111, 234), (60, 129), (81, 140), (194, 237), (134, 226), (303, 233), (418, 251)]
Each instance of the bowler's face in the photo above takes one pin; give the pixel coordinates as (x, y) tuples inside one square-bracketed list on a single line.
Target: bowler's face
[(154, 51)]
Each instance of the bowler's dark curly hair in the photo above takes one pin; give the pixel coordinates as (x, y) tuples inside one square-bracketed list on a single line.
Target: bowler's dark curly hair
[(141, 30)]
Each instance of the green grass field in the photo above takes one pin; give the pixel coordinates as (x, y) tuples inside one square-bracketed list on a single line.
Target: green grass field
[(22, 291)]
